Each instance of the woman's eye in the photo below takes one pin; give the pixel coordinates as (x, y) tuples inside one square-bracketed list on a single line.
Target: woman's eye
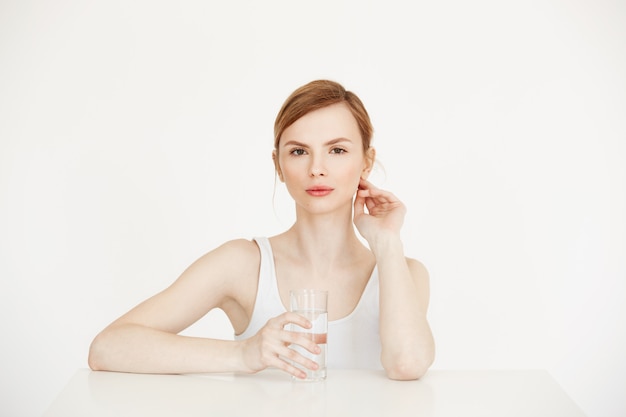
[(338, 150), (297, 152)]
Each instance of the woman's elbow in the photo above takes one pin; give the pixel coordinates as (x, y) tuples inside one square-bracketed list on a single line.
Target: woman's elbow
[(406, 371), (408, 367), (96, 355)]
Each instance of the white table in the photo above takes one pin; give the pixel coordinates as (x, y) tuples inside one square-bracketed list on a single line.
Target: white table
[(345, 393)]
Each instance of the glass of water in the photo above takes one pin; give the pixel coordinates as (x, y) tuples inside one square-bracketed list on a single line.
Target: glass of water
[(312, 304)]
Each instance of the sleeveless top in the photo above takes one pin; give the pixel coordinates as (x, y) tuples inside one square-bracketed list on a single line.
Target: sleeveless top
[(353, 341)]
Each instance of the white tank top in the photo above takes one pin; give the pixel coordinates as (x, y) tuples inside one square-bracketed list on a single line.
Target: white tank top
[(353, 341)]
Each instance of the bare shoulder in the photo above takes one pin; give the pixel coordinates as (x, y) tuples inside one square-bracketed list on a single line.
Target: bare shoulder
[(234, 258), (241, 248), (221, 276), (227, 276), (239, 261), (216, 270)]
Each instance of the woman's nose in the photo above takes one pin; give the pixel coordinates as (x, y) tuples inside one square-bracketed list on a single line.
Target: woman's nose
[(317, 167)]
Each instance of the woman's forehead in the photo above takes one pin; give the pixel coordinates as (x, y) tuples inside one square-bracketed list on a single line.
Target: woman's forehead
[(325, 124)]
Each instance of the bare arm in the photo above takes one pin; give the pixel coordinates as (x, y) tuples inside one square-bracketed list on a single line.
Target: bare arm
[(146, 339), (407, 343), (408, 346)]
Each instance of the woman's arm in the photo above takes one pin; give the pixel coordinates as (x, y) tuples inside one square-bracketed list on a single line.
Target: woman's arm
[(146, 339), (408, 347), (129, 347)]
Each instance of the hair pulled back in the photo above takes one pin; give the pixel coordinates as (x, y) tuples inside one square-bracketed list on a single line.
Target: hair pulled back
[(316, 95)]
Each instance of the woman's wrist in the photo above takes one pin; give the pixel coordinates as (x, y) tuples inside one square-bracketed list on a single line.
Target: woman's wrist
[(386, 244)]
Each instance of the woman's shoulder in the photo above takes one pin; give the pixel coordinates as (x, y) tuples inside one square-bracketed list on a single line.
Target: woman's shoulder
[(238, 252), (241, 246), (233, 258), (234, 264)]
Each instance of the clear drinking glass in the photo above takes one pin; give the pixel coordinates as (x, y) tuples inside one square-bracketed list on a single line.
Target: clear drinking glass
[(312, 304)]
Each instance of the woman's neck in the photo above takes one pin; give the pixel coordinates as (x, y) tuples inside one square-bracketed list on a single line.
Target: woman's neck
[(322, 251), (327, 239)]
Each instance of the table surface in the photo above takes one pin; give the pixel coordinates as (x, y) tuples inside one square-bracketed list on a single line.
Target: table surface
[(439, 393)]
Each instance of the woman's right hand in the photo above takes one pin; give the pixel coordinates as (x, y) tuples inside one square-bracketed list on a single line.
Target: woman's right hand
[(270, 346)]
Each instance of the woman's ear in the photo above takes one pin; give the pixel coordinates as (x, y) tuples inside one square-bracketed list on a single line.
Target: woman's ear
[(370, 158), (277, 166)]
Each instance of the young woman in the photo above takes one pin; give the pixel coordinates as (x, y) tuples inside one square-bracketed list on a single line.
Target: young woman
[(378, 298)]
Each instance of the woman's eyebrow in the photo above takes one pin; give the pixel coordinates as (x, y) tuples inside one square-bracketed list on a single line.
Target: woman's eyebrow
[(304, 145), (294, 143), (337, 140)]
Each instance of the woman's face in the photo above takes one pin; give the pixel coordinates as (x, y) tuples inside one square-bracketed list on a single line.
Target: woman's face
[(320, 159)]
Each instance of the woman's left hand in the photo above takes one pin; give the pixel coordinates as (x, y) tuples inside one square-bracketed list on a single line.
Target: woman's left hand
[(385, 212)]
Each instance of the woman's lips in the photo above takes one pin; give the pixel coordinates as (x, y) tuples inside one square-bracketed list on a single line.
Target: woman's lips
[(319, 191)]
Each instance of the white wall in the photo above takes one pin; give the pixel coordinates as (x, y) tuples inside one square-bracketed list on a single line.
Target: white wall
[(136, 135)]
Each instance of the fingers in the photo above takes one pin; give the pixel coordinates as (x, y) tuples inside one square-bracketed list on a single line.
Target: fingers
[(289, 354), (365, 184), (367, 189), (291, 318), (376, 198), (286, 349), (299, 352), (359, 203), (368, 196)]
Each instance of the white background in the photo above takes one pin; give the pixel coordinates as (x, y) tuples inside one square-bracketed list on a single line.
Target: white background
[(136, 135)]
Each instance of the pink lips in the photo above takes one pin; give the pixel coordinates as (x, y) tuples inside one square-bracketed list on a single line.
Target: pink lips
[(319, 191)]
